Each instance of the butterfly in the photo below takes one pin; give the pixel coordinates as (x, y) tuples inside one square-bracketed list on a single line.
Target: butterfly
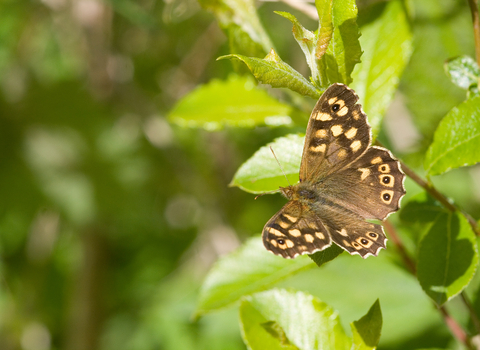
[(344, 181)]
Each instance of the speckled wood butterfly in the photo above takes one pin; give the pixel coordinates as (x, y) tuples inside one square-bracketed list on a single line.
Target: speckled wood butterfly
[(343, 182)]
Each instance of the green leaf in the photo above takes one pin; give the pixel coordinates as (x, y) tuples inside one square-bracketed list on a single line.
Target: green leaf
[(376, 78), (272, 70), (260, 333), (291, 319), (344, 51), (447, 257), (326, 255), (307, 41), (463, 71), (421, 208), (248, 270), (235, 102), (440, 32), (366, 331), (325, 30), (457, 139), (261, 173), (239, 15)]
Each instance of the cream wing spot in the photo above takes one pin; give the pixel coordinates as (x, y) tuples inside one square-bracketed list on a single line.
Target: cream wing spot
[(365, 173), (292, 219), (343, 111), (274, 243), (336, 130), (384, 168), (364, 242), (355, 145), (376, 160), (332, 100), (295, 232), (343, 232), (350, 134), (309, 238), (387, 180), (284, 224), (322, 117), (346, 243), (386, 196), (275, 232), (373, 235), (289, 243), (321, 133), (319, 148), (342, 154), (320, 235)]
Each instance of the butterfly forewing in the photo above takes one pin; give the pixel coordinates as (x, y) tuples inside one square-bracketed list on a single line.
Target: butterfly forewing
[(295, 230), (337, 134)]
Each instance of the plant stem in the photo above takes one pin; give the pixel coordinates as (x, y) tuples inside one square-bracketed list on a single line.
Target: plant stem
[(392, 233), (455, 328), (439, 196), (476, 27), (471, 310)]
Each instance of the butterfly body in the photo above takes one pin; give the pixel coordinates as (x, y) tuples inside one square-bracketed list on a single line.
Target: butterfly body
[(343, 182)]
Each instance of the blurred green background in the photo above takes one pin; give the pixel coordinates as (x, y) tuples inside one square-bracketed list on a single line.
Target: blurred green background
[(110, 216)]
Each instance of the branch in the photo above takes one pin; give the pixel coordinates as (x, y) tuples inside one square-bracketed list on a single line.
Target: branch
[(455, 328), (408, 261), (476, 27)]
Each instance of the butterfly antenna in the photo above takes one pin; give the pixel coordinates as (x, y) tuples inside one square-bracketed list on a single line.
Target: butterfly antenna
[(283, 171), (280, 165)]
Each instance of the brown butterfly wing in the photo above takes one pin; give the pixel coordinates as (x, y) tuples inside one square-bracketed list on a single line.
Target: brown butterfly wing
[(337, 134), (295, 230)]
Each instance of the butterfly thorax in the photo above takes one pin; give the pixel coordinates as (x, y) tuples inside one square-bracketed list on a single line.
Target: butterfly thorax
[(302, 191)]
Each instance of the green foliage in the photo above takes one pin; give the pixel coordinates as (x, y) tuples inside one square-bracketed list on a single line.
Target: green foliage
[(225, 102), (272, 70), (463, 72), (447, 257), (120, 134), (457, 139), (261, 172), (366, 331), (290, 320), (376, 78), (249, 270)]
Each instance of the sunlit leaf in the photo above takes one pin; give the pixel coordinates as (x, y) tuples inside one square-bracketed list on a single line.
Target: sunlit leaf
[(235, 102), (447, 257), (306, 40), (344, 51), (242, 15), (261, 173), (248, 270), (376, 78), (429, 93), (273, 71), (463, 71), (325, 30), (456, 142), (290, 319)]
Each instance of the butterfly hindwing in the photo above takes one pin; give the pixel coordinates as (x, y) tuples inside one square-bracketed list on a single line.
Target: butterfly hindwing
[(362, 238), (295, 230)]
